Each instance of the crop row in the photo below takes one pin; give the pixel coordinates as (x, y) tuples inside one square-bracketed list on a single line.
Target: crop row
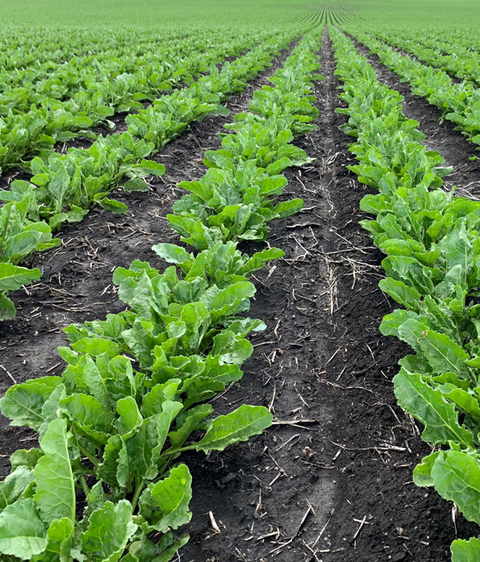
[(34, 120), (432, 268), (64, 186), (448, 41), (460, 103), (461, 62), (57, 79), (36, 48), (106, 477)]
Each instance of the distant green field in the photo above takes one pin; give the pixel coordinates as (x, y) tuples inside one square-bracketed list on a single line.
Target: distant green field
[(144, 13)]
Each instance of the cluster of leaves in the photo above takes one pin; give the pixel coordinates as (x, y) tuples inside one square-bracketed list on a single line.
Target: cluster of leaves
[(106, 478), (460, 103), (21, 233), (64, 186), (432, 245)]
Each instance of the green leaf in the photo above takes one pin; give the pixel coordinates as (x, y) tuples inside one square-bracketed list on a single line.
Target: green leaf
[(55, 493), (108, 532), (240, 425), (458, 248), (443, 353), (407, 296), (164, 505), (14, 485), (152, 167), (456, 477), (89, 415), (226, 301), (172, 253), (112, 205), (60, 537), (25, 457), (129, 416), (422, 474), (114, 469), (136, 184), (23, 403), (7, 308), (430, 407), (190, 421), (12, 277), (466, 551), (230, 348), (288, 208), (22, 532), (96, 346)]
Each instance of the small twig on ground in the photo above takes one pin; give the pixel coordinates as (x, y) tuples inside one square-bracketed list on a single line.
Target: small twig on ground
[(360, 527), (8, 374), (213, 523)]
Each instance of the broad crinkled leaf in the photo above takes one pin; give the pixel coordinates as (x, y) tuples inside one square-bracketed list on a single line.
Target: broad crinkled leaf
[(14, 485), (60, 538), (108, 532), (55, 493), (466, 551), (456, 477), (23, 403), (165, 505), (89, 415), (430, 407), (22, 532)]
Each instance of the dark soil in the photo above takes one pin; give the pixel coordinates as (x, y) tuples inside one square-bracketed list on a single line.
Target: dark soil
[(331, 480)]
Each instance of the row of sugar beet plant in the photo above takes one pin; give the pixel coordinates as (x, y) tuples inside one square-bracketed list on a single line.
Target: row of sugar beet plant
[(64, 186), (459, 102), (50, 103), (432, 245), (106, 482)]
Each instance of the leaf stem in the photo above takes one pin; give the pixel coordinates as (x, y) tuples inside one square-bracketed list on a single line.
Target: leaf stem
[(85, 488), (136, 495), (89, 455)]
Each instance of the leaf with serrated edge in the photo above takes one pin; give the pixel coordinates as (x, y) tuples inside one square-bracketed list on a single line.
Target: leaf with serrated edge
[(466, 551)]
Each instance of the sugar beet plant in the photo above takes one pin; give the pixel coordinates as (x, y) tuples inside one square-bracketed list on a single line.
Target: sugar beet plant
[(107, 482), (432, 245)]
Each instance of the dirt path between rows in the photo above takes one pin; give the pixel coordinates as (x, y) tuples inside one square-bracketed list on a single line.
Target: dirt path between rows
[(331, 480)]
